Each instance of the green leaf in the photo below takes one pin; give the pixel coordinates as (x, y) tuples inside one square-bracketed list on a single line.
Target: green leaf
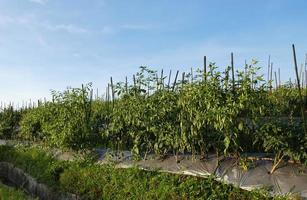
[(240, 127), (226, 143)]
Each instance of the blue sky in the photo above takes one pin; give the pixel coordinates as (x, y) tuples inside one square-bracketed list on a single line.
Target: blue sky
[(51, 44)]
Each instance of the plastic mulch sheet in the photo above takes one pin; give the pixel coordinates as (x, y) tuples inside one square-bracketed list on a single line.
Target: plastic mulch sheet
[(288, 178)]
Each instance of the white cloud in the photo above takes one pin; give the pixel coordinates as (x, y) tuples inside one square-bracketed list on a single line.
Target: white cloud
[(21, 20), (70, 28), (107, 30), (142, 27), (41, 41), (42, 2), (76, 54), (4, 20), (75, 29)]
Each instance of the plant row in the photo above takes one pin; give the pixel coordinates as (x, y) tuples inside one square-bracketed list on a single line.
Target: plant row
[(218, 112)]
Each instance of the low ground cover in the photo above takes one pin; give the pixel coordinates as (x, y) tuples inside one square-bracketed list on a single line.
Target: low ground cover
[(92, 181), (9, 193)]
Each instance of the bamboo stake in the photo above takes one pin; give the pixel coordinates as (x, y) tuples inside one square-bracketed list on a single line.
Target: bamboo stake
[(233, 74), (279, 82), (299, 89), (269, 64), (301, 73), (134, 81), (89, 108), (192, 75), (108, 99), (276, 81), (112, 90), (245, 67), (182, 82), (252, 80), (162, 79), (134, 84), (205, 68), (305, 89), (169, 79), (175, 80), (126, 85), (83, 97), (305, 81), (148, 87), (271, 77)]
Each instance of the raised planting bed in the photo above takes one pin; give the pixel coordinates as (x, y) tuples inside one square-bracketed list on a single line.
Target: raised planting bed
[(90, 180), (249, 172)]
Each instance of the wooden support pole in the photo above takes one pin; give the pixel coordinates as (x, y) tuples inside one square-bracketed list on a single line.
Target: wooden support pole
[(157, 79), (175, 80), (162, 79), (233, 74), (271, 77), (205, 68), (276, 81), (182, 80), (108, 99), (169, 79), (134, 84), (269, 65), (126, 85), (192, 78), (279, 81), (112, 90), (299, 89)]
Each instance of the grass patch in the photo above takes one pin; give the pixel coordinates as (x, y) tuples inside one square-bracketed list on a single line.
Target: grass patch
[(92, 181), (9, 193)]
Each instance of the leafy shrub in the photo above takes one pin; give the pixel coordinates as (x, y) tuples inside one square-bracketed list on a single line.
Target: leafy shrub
[(65, 122), (9, 120), (31, 124)]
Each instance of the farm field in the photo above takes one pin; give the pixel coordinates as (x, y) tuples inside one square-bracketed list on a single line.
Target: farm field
[(153, 100), (207, 111)]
